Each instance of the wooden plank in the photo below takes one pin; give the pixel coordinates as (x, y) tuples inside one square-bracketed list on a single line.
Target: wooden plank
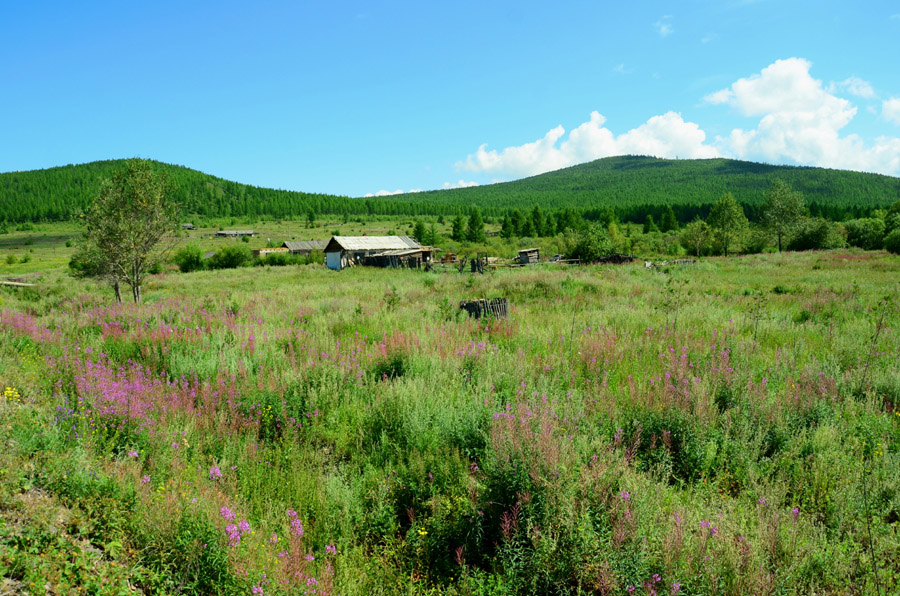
[(15, 284)]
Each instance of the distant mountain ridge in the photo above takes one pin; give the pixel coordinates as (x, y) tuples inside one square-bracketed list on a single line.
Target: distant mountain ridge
[(631, 185)]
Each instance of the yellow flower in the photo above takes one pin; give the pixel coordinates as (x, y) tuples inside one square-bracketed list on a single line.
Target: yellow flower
[(423, 532)]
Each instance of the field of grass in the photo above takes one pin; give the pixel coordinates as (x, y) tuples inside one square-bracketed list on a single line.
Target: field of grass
[(50, 246), (729, 427)]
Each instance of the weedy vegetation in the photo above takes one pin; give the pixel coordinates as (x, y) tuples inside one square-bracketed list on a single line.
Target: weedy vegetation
[(731, 427)]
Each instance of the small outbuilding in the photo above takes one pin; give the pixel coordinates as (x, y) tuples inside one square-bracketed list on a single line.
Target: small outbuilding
[(188, 226), (529, 256), (235, 233), (347, 251), (303, 247), (264, 252)]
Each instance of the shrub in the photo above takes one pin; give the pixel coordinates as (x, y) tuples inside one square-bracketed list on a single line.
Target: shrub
[(892, 242), (757, 241), (230, 257), (588, 244), (816, 233), (11, 259), (189, 258), (866, 233)]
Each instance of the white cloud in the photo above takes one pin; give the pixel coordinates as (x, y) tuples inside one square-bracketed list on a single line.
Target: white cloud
[(384, 193), (890, 109), (664, 26), (667, 135), (854, 86), (800, 122), (620, 69), (459, 184), (895, 17)]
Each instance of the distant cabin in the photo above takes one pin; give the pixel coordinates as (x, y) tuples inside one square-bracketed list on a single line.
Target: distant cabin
[(188, 226), (529, 256), (304, 247), (347, 251), (264, 252), (235, 233)]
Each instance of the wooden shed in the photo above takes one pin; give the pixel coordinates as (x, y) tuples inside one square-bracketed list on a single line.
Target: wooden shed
[(304, 247), (235, 233), (346, 251), (529, 256), (264, 252)]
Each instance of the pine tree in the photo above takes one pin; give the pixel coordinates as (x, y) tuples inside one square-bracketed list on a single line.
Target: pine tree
[(419, 231), (517, 222), (537, 220), (506, 228), (458, 232), (475, 229), (669, 222)]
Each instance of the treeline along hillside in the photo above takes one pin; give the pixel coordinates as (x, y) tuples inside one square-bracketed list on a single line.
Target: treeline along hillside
[(632, 186)]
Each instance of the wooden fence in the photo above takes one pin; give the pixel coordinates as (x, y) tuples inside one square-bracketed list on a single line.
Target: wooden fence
[(495, 308)]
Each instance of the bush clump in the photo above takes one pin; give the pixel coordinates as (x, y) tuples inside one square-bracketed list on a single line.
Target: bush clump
[(230, 257), (189, 258)]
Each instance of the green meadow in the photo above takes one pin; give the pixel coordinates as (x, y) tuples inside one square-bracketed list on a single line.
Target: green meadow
[(724, 427)]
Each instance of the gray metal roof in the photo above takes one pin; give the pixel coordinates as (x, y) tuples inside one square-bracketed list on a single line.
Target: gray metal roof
[(372, 243), (298, 245), (400, 252)]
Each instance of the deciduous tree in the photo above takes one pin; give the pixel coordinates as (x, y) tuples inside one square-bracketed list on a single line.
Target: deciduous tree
[(127, 223), (695, 236), (782, 210), (728, 220)]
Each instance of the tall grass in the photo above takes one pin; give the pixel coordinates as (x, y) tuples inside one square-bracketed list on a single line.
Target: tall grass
[(589, 444)]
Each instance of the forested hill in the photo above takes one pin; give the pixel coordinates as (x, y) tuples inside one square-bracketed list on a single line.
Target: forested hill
[(60, 193), (632, 186)]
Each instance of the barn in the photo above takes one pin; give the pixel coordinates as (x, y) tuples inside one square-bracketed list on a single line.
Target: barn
[(347, 251)]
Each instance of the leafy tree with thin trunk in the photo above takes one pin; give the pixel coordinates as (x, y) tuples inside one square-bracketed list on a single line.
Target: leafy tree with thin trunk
[(88, 262), (127, 223), (728, 221), (695, 236), (782, 210)]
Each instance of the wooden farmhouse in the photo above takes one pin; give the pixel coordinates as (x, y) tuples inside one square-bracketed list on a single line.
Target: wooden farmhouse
[(304, 247), (384, 251)]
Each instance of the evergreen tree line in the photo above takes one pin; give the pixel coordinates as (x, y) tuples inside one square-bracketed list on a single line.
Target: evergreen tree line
[(631, 188)]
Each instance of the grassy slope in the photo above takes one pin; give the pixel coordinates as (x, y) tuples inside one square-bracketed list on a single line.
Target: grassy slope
[(408, 451)]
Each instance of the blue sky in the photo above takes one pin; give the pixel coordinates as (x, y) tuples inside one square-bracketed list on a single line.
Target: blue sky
[(367, 97)]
